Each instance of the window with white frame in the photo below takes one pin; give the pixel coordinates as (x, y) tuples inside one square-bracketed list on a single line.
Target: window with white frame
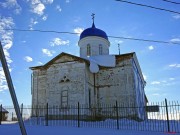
[(88, 50)]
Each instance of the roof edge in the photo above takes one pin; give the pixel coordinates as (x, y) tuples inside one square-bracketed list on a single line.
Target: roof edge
[(54, 59)]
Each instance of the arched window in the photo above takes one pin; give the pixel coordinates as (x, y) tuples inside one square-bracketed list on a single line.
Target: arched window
[(88, 50), (100, 49), (64, 98)]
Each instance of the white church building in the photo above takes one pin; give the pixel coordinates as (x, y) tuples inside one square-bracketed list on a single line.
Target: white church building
[(93, 78)]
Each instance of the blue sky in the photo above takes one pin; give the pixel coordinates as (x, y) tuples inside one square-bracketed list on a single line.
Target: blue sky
[(160, 63)]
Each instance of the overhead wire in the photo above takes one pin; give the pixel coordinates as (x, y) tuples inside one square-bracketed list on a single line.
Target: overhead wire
[(146, 40), (74, 33), (171, 1), (143, 5), (45, 31)]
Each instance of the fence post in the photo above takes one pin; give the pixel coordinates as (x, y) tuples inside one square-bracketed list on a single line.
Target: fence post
[(0, 114), (12, 117), (117, 115), (22, 110), (37, 115), (78, 115), (47, 114), (167, 115)]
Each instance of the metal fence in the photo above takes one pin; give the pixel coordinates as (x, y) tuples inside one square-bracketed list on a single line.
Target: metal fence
[(162, 116)]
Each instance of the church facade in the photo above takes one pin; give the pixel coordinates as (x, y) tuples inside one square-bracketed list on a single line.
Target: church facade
[(93, 78)]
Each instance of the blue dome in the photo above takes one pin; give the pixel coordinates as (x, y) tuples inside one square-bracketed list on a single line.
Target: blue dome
[(93, 31)]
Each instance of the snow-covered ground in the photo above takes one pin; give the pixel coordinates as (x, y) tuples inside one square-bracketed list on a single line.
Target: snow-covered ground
[(13, 129)]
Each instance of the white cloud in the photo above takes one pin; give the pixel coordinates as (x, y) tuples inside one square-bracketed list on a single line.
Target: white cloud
[(28, 59), (35, 22), (151, 47), (145, 77), (78, 30), (6, 37), (47, 1), (7, 55), (156, 94), (174, 65), (17, 11), (167, 82), (155, 82), (58, 8), (32, 23), (67, 1), (175, 40), (38, 6), (44, 17), (8, 45), (118, 41), (176, 16), (58, 41), (3, 87), (11, 4), (3, 84), (24, 41), (171, 79), (48, 52), (40, 63)]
